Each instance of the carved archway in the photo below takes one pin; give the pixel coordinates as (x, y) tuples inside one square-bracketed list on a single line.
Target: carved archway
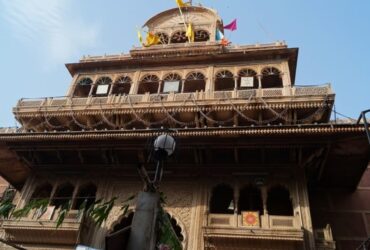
[(271, 78), (83, 87), (195, 81), (149, 84), (122, 86), (224, 81)]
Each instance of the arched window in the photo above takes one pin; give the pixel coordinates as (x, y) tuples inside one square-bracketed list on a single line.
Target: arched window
[(224, 80), (83, 87), (149, 83), (176, 227), (163, 38), (271, 78), (222, 200), (179, 37), (250, 199), (195, 81), (171, 83), (86, 195), (279, 202), (122, 86), (247, 79), (102, 86), (63, 195), (42, 192), (201, 36), (125, 222)]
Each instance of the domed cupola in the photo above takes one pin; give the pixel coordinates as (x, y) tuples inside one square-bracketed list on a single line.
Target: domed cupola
[(171, 25)]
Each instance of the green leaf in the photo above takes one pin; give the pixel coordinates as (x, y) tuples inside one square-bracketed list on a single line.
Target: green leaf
[(33, 204), (101, 212), (130, 198), (5, 209), (64, 209)]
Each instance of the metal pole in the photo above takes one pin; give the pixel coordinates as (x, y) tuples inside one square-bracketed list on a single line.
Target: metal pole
[(366, 124)]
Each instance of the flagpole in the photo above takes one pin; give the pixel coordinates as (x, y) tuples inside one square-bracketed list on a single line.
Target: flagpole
[(183, 19)]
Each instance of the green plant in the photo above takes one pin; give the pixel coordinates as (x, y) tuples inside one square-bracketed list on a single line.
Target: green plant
[(6, 205), (6, 208), (64, 209), (33, 204)]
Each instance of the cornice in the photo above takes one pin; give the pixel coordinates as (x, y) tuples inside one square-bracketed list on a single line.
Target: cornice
[(304, 130)]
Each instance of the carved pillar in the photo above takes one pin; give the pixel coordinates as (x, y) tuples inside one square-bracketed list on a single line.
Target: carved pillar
[(72, 87), (265, 217), (236, 198), (135, 83), (305, 210), (236, 82), (259, 77), (160, 86), (210, 82), (182, 83)]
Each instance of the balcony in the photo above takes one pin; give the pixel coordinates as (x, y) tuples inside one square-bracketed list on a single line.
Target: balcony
[(116, 111), (65, 103), (324, 239), (282, 228), (30, 230)]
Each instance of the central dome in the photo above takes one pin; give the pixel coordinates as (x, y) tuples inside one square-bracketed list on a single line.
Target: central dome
[(170, 27)]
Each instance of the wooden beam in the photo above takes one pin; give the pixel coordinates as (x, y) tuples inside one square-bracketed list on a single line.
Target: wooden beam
[(323, 162)]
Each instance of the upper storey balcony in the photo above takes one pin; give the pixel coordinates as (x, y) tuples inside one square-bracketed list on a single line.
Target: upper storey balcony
[(232, 96)]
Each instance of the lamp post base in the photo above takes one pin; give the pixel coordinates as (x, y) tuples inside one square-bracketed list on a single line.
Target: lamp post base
[(143, 228)]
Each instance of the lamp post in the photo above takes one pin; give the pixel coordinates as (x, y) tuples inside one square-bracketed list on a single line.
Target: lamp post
[(143, 229)]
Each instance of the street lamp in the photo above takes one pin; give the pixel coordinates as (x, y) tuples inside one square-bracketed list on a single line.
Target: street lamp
[(164, 146), (143, 229)]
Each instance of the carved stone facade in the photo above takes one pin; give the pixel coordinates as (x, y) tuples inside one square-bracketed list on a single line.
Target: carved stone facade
[(252, 146)]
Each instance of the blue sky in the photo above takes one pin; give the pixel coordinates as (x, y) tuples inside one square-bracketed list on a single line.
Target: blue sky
[(38, 36)]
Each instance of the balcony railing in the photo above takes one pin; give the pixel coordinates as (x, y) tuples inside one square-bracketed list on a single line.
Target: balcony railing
[(60, 102), (268, 227), (324, 238), (42, 229), (266, 221)]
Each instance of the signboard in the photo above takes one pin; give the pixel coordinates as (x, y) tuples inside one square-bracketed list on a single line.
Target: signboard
[(102, 89), (172, 86), (247, 82), (251, 219)]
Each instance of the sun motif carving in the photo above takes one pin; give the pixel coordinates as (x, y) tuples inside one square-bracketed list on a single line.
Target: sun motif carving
[(104, 81), (224, 74), (150, 78), (270, 71), (124, 80), (195, 76), (85, 81), (247, 72), (172, 77)]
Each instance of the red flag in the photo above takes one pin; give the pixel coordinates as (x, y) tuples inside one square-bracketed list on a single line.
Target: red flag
[(232, 26)]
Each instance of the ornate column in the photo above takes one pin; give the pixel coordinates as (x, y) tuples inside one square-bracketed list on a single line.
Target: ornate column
[(259, 77), (265, 217), (135, 83), (305, 210), (72, 87), (160, 86), (182, 83), (236, 82)]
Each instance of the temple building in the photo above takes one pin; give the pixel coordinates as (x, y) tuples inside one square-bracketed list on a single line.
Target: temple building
[(258, 164)]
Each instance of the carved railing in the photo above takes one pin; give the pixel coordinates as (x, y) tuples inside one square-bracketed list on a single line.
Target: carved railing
[(36, 222), (265, 222), (59, 102), (324, 238)]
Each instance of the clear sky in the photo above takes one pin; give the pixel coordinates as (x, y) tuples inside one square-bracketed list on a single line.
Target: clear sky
[(38, 36)]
